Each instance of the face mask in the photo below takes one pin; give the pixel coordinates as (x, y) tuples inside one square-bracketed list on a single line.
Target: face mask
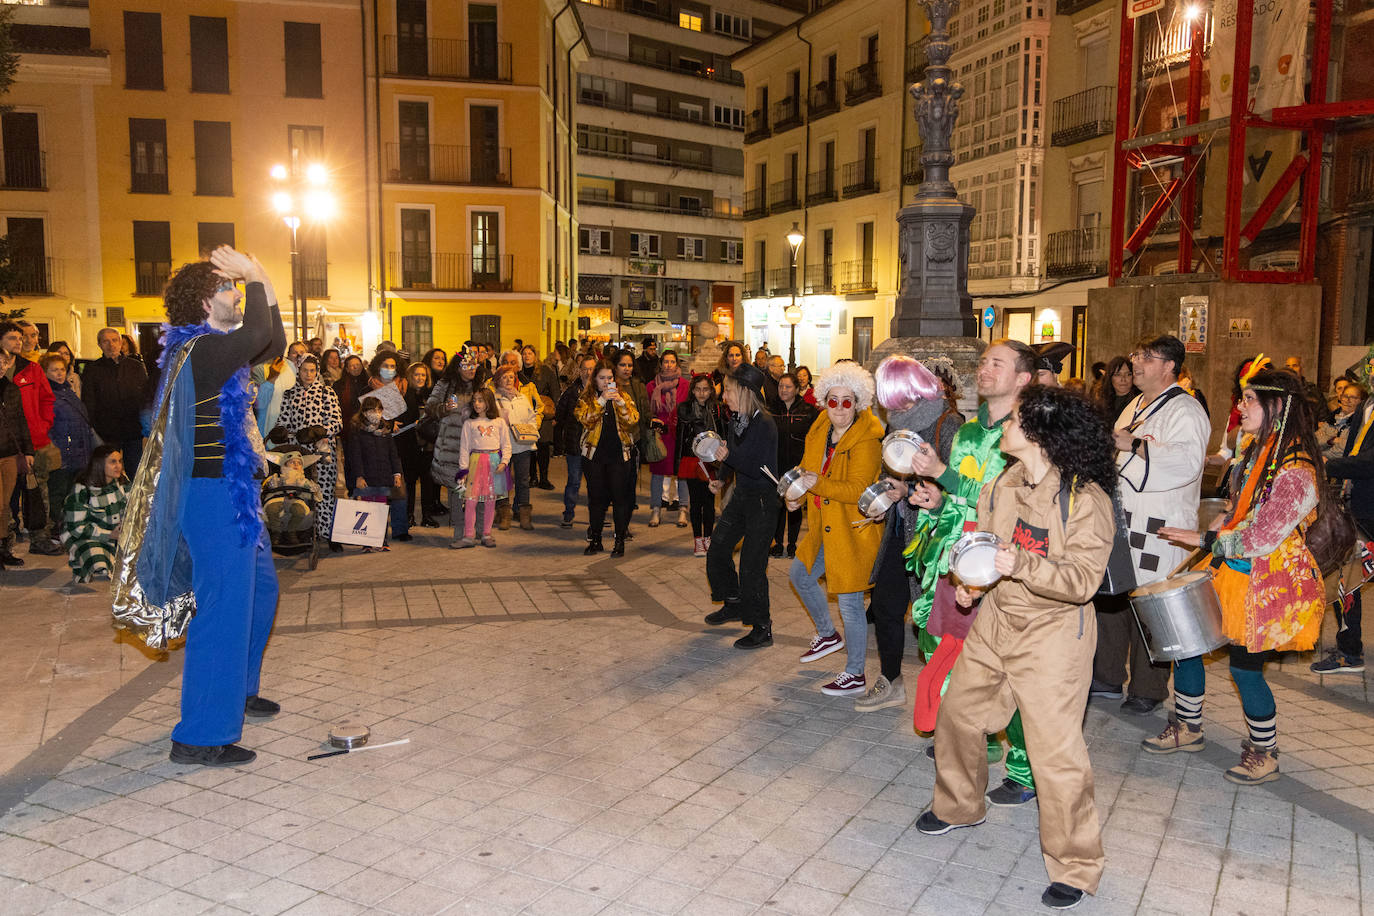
[(372, 419), (387, 373)]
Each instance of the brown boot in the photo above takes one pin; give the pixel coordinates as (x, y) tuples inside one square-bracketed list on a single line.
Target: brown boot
[(503, 517), (1257, 765), (525, 522)]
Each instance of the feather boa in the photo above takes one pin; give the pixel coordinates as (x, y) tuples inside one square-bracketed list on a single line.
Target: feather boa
[(235, 401)]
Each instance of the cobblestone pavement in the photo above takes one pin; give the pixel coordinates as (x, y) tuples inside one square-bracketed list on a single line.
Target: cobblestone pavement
[(581, 743)]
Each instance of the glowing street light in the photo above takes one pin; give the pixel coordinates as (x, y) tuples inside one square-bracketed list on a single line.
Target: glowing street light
[(793, 313), (292, 200)]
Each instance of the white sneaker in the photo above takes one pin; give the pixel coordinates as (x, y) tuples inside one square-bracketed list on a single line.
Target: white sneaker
[(881, 695), (845, 685), (821, 646), (699, 547)]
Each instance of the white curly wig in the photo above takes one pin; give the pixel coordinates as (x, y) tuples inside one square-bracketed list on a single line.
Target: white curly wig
[(849, 375)]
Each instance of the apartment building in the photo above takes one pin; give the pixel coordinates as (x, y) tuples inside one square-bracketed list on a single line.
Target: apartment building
[(660, 120), (830, 146), (476, 223)]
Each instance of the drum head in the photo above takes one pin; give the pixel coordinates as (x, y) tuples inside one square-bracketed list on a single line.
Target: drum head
[(974, 561), (898, 454)]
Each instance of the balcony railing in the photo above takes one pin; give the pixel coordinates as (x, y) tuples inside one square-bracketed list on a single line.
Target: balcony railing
[(720, 211), (1362, 176), (33, 276), (782, 196), (312, 273), (755, 203), (753, 284), (820, 278), (787, 114), (446, 59), (779, 281), (148, 183), (860, 177), (824, 99), (616, 101), (150, 277), (820, 187), (755, 125), (858, 277), (912, 169), (650, 57), (1171, 219), (1174, 44), (915, 69), (701, 163), (1076, 252), (451, 272), (24, 170), (1084, 115), (862, 83), (441, 164)]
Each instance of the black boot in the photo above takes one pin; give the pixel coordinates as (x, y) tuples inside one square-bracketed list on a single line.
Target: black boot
[(727, 614), (618, 550), (759, 637), (593, 545)]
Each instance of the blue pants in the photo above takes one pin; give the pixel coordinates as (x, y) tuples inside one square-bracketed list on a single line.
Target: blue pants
[(656, 491), (570, 491), (1247, 670), (398, 509), (236, 601), (817, 604)]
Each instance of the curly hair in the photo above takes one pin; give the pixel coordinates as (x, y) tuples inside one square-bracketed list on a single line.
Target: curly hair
[(1072, 434), (846, 374), (187, 291)]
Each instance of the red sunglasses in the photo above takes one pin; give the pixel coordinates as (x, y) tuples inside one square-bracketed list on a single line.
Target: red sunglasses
[(836, 403)]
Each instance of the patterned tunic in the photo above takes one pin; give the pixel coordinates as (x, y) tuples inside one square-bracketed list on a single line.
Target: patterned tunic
[(317, 405), (91, 518)]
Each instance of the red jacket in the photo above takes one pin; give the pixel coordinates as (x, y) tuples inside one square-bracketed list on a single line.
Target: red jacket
[(36, 394)]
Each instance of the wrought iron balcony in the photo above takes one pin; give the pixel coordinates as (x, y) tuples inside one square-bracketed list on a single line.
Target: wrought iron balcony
[(755, 203), (33, 276), (441, 164), (753, 284), (718, 69), (756, 126), (782, 196), (787, 114), (455, 272), (820, 278), (862, 83), (912, 169), (860, 177), (820, 187), (24, 170), (780, 281), (824, 100), (1174, 44), (722, 210), (150, 277), (148, 183), (858, 277), (1076, 252), (446, 59), (915, 69), (1084, 115)]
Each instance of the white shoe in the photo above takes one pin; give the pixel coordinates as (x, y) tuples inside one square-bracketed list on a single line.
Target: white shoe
[(654, 517), (682, 520), (699, 547)]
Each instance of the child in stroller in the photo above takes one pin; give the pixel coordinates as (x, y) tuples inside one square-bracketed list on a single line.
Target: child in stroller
[(289, 500)]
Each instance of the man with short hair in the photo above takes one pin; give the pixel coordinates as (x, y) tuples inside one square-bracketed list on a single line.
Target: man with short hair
[(646, 366), (1309, 389), (777, 368), (32, 351), (114, 388), (1161, 440), (316, 345)]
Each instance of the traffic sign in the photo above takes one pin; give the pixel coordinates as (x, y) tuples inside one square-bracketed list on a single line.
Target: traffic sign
[(989, 316)]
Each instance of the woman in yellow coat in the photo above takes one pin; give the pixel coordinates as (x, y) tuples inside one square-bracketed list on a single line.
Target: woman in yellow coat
[(843, 456)]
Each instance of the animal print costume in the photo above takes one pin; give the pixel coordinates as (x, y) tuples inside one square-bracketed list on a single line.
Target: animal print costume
[(317, 405)]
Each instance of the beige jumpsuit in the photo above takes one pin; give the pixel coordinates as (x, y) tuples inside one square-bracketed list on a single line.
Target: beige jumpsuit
[(1032, 647)]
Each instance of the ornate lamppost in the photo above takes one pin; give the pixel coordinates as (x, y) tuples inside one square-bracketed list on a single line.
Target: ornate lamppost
[(793, 313)]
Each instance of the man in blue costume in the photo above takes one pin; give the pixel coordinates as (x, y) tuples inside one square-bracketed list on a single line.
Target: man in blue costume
[(199, 541)]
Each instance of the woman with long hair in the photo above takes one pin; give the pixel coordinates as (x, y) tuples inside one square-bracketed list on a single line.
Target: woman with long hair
[(793, 417), (547, 388), (416, 453), (667, 390), (1032, 640), (804, 384), (310, 412), (609, 420), (732, 356), (698, 414), (355, 382), (331, 366), (92, 513), (1271, 591), (1116, 389), (436, 361)]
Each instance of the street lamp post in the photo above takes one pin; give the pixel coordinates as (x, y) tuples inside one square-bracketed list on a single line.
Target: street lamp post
[(292, 198), (793, 313)]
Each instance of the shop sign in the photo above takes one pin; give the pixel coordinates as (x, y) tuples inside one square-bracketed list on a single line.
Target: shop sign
[(647, 267)]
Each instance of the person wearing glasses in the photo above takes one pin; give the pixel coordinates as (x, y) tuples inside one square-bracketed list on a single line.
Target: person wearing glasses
[(1161, 440)]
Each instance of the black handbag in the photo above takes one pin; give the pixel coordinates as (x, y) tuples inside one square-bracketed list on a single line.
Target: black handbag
[(1119, 576)]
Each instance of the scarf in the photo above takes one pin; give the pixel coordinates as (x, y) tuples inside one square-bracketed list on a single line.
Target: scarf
[(664, 399), (917, 418), (241, 460)]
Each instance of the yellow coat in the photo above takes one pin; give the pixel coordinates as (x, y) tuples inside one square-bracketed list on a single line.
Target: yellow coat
[(849, 551)]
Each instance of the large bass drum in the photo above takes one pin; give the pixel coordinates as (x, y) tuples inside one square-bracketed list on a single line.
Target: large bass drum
[(1179, 617)]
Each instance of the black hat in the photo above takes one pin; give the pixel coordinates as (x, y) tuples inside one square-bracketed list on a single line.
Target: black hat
[(1050, 356), (747, 375)]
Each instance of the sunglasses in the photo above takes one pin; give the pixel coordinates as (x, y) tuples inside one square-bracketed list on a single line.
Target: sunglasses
[(840, 403)]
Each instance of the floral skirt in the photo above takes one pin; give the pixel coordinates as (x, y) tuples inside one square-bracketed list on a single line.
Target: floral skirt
[(483, 482), (1277, 605)]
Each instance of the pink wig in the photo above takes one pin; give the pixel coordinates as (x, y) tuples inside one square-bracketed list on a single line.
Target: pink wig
[(902, 381)]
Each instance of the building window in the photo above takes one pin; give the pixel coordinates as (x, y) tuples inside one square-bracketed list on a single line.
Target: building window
[(417, 334), (691, 249), (214, 160), (731, 251), (209, 54), (142, 50), (725, 116), (594, 241), (312, 262), (304, 61), (689, 204), (23, 155), (152, 257), (691, 21), (304, 145), (725, 24), (863, 339), (28, 260), (486, 249), (148, 155), (644, 244), (210, 236)]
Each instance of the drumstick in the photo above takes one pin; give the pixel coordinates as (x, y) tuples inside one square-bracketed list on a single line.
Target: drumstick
[(1186, 561), (765, 470), (354, 750)]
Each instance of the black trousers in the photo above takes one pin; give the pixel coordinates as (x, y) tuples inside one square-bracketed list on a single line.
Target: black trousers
[(1349, 638), (747, 517), (889, 603), (539, 467), (609, 484), (791, 522), (702, 509), (1119, 639)]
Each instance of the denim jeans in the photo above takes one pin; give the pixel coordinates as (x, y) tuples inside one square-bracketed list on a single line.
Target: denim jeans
[(397, 508), (817, 604), (570, 491), (656, 491)]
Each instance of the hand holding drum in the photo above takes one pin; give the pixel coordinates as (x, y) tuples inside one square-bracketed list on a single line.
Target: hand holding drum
[(926, 463)]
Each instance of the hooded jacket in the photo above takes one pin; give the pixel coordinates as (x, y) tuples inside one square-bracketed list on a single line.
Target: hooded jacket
[(849, 551)]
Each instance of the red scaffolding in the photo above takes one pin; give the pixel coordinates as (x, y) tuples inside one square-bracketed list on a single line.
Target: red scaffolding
[(1131, 153)]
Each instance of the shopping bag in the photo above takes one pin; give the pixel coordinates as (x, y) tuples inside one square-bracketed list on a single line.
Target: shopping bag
[(359, 522)]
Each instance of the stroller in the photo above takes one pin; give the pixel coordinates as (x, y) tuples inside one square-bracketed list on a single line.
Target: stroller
[(290, 501)]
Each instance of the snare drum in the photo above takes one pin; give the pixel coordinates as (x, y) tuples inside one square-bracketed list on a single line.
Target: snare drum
[(876, 500), (1179, 617), (974, 558), (792, 486), (899, 448), (706, 446)]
